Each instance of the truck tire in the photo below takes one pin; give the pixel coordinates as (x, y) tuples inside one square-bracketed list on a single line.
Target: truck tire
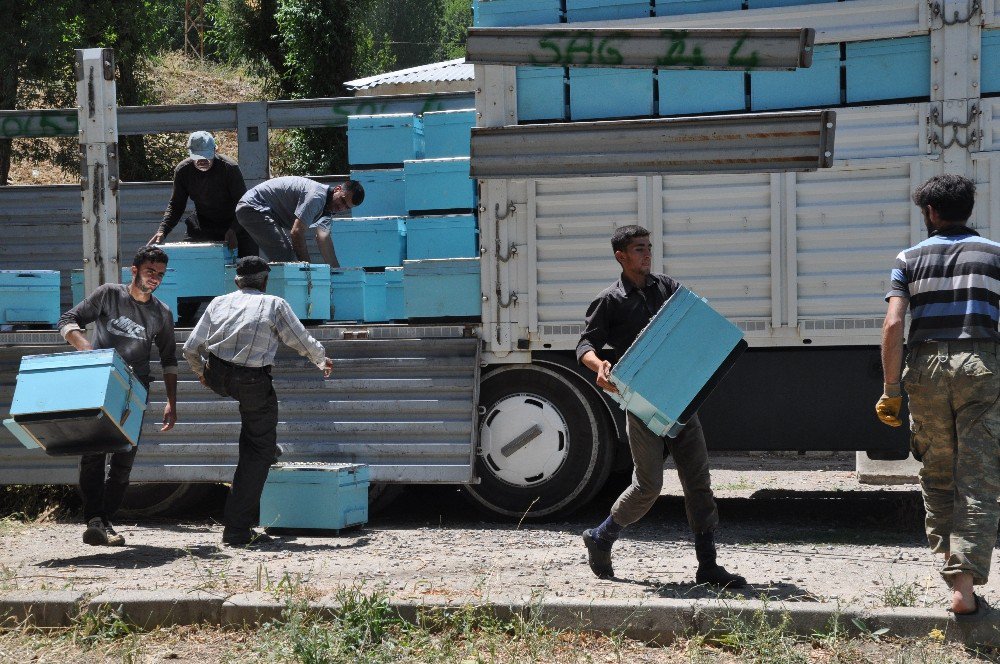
[(170, 498), (544, 447)]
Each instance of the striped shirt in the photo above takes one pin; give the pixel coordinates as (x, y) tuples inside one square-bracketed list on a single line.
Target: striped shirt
[(952, 280), (244, 328)]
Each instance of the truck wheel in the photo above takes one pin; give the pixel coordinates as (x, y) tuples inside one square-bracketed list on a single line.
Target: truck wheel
[(381, 495), (169, 498), (544, 447)]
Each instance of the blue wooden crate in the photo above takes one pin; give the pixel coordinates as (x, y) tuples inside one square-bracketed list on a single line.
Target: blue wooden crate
[(384, 139), (888, 69), (448, 133), (990, 62), (347, 293), (79, 402), (375, 294), (758, 4), (29, 296), (369, 241), (199, 268), (439, 288), (541, 93), (439, 184), (385, 193), (683, 92), (395, 307), (305, 286), (818, 85), (503, 13), (676, 7), (448, 236), (318, 496), (596, 93), (675, 362), (605, 10)]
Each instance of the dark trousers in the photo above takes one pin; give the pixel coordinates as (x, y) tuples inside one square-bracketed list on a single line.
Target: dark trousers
[(102, 497), (252, 388)]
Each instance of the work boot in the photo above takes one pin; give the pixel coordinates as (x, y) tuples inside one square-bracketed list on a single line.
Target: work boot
[(709, 571), (598, 556), (114, 539), (95, 534)]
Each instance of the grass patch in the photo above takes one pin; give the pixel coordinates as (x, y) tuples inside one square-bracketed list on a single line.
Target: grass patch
[(21, 505), (897, 594)]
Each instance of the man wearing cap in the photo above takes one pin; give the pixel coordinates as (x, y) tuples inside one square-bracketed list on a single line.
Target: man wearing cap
[(231, 350), (277, 212)]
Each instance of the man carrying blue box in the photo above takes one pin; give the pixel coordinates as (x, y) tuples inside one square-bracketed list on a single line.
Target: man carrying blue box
[(277, 213), (615, 318), (129, 319), (231, 350)]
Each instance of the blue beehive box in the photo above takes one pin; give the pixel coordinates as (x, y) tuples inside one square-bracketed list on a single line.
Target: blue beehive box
[(758, 4), (83, 402), (675, 362), (442, 287), (501, 13), (990, 61), (375, 298), (29, 296), (448, 133), (385, 193), (605, 10), (199, 268), (817, 85), (305, 286), (447, 236), (369, 241), (541, 93), (888, 69), (347, 293), (319, 496), (439, 185), (676, 7), (683, 92), (395, 307), (384, 139), (609, 93)]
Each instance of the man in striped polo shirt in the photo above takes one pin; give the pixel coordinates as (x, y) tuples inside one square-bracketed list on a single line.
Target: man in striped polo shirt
[(951, 284)]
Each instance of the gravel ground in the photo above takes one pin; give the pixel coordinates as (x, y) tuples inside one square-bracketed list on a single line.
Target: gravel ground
[(799, 528)]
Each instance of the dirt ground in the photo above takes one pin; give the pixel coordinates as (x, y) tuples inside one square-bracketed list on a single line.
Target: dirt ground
[(799, 528)]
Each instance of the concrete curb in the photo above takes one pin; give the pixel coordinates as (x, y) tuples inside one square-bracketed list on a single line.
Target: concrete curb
[(649, 620)]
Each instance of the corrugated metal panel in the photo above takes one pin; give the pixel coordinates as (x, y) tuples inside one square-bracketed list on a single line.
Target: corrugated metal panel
[(334, 112), (641, 47), (405, 407), (850, 224), (992, 18), (717, 240), (856, 20), (574, 220), (990, 124), (449, 70), (748, 143), (874, 132)]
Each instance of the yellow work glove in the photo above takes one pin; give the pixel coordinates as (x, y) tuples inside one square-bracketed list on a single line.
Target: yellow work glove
[(889, 404)]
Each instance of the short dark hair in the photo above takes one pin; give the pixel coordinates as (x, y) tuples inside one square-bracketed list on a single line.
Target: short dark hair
[(623, 236), (953, 196), (149, 254), (354, 192)]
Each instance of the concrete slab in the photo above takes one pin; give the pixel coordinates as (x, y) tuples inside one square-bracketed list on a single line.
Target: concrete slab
[(887, 472), (40, 608), (251, 609), (654, 620), (150, 609)]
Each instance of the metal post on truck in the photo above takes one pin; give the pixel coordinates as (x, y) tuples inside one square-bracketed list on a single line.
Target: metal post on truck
[(98, 128)]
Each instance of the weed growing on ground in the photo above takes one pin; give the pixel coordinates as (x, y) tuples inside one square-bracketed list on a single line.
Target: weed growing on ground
[(900, 593), (755, 638), (103, 625), (22, 505)]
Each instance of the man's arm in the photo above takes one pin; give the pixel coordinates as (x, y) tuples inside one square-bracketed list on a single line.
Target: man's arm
[(175, 208), (194, 347), (298, 235), (72, 323), (236, 187), (602, 368), (891, 402), (293, 334), (166, 344)]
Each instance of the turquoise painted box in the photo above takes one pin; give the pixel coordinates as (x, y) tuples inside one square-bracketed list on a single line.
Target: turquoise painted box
[(200, 268), (446, 236), (369, 241), (990, 61), (448, 133), (395, 307), (385, 193), (541, 93), (442, 287), (817, 85), (676, 7), (316, 496), (29, 296), (675, 362), (502, 13), (888, 69), (757, 4), (305, 286), (391, 138), (683, 92), (375, 294), (347, 293), (606, 10), (596, 93), (82, 402), (439, 184)]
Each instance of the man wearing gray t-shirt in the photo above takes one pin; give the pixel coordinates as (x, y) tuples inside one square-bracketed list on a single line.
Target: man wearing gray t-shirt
[(277, 212)]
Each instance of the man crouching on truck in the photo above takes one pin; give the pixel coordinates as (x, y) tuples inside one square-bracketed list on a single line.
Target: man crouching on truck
[(615, 318), (950, 283), (129, 319)]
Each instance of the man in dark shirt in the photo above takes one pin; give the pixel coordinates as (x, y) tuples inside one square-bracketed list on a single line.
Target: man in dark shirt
[(615, 318), (129, 319)]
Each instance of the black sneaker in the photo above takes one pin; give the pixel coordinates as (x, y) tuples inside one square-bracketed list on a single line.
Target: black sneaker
[(248, 538), (95, 534), (716, 575), (113, 538), (598, 556)]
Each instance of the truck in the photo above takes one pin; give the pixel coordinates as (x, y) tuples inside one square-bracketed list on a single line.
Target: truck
[(798, 260)]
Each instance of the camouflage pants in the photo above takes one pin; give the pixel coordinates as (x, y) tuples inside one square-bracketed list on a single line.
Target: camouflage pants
[(953, 389)]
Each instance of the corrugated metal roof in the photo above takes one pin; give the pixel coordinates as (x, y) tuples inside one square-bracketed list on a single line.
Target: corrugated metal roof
[(437, 72)]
